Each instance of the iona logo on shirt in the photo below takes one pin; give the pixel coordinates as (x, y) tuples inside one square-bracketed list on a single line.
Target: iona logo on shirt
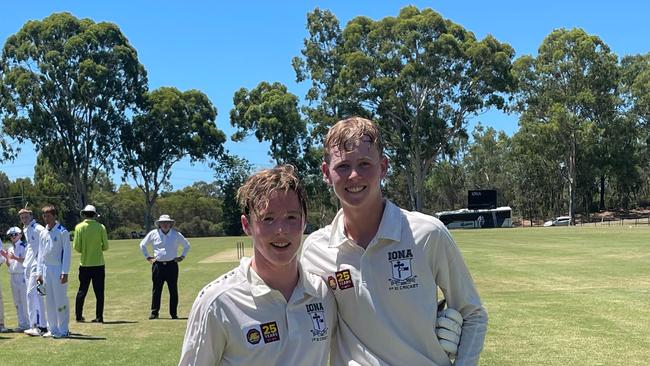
[(316, 314), (401, 266)]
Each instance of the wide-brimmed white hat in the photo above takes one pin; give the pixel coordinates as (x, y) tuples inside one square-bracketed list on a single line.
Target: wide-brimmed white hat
[(90, 208), (14, 230), (164, 218)]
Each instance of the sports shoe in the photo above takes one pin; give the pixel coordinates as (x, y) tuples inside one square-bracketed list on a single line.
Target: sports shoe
[(48, 334), (153, 316), (33, 332), (80, 319), (4, 330), (97, 320)]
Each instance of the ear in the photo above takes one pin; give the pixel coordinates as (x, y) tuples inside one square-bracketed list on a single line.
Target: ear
[(245, 225), (384, 166), (324, 167)]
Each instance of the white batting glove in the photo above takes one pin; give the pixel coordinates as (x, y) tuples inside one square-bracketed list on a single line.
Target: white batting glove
[(448, 328)]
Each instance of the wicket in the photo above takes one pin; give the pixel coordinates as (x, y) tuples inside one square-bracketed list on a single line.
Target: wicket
[(240, 249)]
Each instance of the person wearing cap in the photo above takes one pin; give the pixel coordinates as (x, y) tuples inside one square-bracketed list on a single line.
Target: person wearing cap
[(165, 241), (53, 268), (15, 256), (91, 240), (35, 302), (267, 311)]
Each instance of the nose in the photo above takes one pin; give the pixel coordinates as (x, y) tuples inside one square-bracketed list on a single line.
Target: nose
[(354, 172)]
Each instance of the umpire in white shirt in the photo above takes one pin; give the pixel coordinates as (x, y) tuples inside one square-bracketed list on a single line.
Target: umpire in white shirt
[(164, 262)]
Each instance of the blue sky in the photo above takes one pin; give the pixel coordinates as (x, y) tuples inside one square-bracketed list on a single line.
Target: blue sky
[(221, 46)]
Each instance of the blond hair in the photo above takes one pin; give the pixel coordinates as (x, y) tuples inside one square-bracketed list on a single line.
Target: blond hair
[(347, 134), (254, 195)]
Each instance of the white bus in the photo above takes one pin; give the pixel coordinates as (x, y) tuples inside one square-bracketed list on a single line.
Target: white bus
[(476, 219)]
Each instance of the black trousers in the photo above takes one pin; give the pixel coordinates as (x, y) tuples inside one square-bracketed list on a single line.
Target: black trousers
[(162, 272), (95, 275)]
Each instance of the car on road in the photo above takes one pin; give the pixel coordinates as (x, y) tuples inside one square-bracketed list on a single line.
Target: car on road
[(559, 221)]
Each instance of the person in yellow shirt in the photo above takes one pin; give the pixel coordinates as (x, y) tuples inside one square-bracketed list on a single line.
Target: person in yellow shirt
[(91, 240)]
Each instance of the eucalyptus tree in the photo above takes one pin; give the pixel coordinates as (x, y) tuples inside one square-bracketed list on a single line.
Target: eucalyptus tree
[(569, 90), (418, 76), (172, 125), (67, 86), (271, 113)]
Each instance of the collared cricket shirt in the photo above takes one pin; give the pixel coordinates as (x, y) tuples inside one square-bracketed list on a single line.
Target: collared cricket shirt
[(31, 235), (387, 293), (165, 246), (238, 320), (55, 248)]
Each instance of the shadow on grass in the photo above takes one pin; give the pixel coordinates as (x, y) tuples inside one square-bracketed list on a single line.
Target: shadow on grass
[(83, 337), (121, 322)]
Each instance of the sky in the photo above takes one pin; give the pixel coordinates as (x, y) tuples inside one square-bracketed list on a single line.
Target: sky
[(220, 46)]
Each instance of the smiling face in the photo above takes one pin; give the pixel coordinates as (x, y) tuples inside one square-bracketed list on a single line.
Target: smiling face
[(25, 218), (276, 231), (356, 174)]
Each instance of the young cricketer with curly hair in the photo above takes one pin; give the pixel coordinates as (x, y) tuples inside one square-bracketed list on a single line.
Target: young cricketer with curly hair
[(267, 311)]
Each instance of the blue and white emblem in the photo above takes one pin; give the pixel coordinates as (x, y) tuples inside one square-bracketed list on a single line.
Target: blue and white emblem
[(316, 313), (401, 269)]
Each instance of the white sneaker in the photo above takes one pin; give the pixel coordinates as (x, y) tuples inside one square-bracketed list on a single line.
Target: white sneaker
[(48, 334), (34, 332), (4, 330)]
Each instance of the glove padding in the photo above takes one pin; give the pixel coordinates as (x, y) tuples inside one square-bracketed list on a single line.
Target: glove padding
[(448, 328)]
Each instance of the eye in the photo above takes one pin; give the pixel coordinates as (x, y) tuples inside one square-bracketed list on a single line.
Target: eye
[(268, 219), (343, 166)]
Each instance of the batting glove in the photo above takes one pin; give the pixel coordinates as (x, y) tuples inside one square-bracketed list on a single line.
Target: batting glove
[(448, 329)]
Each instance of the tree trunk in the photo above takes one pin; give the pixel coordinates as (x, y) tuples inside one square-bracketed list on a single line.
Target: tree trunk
[(572, 180), (601, 205)]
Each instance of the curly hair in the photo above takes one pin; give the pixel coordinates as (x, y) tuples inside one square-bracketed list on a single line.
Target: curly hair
[(254, 195), (347, 134)]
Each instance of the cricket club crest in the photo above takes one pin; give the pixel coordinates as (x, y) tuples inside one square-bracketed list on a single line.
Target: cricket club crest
[(401, 263), (316, 313)]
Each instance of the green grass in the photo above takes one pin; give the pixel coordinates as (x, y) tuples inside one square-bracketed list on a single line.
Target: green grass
[(556, 296)]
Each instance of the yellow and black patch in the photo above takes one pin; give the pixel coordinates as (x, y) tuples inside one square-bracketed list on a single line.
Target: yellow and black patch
[(344, 279), (253, 336), (270, 332)]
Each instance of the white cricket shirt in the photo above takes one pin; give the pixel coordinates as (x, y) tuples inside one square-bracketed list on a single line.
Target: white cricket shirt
[(238, 320), (19, 251), (31, 235), (55, 249), (165, 246), (387, 293)]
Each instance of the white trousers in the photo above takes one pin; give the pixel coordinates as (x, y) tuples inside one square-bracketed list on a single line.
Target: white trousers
[(56, 300), (35, 302), (19, 290)]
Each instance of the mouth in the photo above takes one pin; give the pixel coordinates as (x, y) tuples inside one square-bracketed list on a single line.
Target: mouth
[(280, 245), (355, 189)]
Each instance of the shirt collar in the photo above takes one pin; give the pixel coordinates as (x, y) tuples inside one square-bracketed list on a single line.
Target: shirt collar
[(390, 226), (260, 288)]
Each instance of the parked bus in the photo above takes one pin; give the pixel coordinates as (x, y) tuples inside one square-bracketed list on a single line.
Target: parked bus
[(476, 219)]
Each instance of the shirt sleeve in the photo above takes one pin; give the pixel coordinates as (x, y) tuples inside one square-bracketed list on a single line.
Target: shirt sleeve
[(66, 252), (144, 242), (104, 239), (77, 239), (456, 283), (205, 337), (184, 243)]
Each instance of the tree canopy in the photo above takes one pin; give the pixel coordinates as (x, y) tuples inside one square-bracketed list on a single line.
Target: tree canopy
[(67, 86)]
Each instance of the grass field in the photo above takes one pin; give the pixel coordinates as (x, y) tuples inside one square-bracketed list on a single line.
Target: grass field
[(556, 296)]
